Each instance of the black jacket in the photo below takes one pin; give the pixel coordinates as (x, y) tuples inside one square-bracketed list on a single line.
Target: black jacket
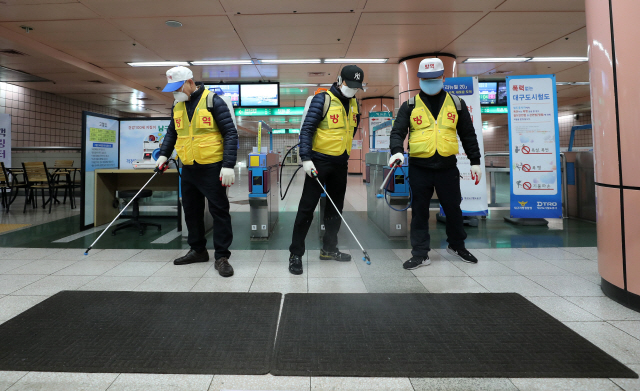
[(465, 129), (311, 122), (223, 119)]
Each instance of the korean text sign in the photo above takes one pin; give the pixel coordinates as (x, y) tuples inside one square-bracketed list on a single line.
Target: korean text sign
[(5, 139)]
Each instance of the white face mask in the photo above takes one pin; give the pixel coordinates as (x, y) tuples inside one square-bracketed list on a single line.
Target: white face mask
[(348, 92), (180, 96)]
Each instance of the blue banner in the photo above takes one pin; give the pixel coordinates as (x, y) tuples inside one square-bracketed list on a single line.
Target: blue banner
[(534, 147), (459, 85)]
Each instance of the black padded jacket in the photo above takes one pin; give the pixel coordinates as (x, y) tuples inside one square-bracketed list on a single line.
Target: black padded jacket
[(223, 119), (310, 125)]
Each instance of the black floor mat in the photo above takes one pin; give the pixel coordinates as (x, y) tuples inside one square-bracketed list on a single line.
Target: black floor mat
[(144, 332), (431, 335)]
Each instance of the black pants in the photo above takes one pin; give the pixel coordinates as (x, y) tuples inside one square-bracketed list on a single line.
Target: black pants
[(447, 184), (200, 182), (334, 177)]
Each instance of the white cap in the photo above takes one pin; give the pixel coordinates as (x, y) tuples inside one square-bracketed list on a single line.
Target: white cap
[(176, 77), (430, 68)]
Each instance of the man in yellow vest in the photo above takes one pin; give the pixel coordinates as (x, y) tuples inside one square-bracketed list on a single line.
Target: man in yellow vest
[(325, 145), (434, 120), (203, 133)]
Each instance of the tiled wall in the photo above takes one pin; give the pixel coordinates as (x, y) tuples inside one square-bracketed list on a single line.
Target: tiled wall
[(44, 119), (280, 144)]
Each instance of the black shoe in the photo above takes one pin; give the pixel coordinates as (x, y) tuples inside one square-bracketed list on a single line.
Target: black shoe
[(416, 262), (223, 267), (295, 264), (336, 256), (192, 257), (463, 254)]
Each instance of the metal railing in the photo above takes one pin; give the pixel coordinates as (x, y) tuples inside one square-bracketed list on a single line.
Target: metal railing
[(492, 181)]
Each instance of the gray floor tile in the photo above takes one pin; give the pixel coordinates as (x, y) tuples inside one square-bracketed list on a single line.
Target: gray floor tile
[(12, 306), (167, 284), (629, 384), (283, 285), (485, 268), (565, 385), (6, 265), (145, 382), (535, 268), (44, 267), (113, 283), (605, 308), (72, 254), (241, 268), (6, 251), (50, 285), (383, 263), (222, 284), (562, 309), (617, 343), (576, 266), (333, 269), (135, 269), (279, 269), (247, 255), (35, 253), (158, 255), (568, 285), (265, 382), (630, 327), (393, 284), (585, 252), (8, 378), (551, 253), (10, 284), (64, 381), (88, 268), (439, 268), (196, 270), (336, 285), (277, 255), (114, 254), (517, 284), (462, 384), (506, 254), (445, 254), (452, 285), (361, 383)]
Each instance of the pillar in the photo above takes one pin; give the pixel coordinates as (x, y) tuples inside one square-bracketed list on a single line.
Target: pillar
[(613, 72), (408, 82)]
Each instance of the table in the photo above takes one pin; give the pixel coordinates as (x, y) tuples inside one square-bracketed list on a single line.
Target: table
[(110, 180)]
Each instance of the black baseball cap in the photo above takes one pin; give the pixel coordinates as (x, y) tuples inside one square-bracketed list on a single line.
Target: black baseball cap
[(353, 75)]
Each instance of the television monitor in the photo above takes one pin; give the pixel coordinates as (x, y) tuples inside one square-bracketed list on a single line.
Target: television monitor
[(260, 95), (230, 90), (488, 92), (502, 93)]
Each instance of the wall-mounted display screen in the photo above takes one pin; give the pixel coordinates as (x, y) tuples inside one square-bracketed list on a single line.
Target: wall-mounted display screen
[(259, 95), (488, 92), (502, 93), (230, 90)]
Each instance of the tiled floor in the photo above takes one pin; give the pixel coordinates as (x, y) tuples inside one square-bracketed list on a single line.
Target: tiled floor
[(561, 281)]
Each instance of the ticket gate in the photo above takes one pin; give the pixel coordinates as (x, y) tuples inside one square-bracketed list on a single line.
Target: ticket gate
[(263, 196)]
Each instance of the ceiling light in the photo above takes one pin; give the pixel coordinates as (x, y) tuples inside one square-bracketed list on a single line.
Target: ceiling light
[(309, 61), (572, 83), (565, 59), (327, 85), (159, 64), (498, 59), (222, 62), (356, 60), (173, 23), (580, 83)]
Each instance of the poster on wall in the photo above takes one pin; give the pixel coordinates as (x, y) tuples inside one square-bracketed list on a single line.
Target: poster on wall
[(99, 150), (474, 197), (534, 147), (380, 124), (140, 142), (5, 139)]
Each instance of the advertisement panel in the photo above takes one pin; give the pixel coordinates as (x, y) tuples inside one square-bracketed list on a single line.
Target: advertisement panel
[(140, 142), (534, 147)]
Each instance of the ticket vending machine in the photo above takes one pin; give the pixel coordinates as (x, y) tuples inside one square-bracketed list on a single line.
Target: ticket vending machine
[(263, 195)]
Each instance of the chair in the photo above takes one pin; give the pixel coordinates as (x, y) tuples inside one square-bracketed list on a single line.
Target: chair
[(12, 185), (36, 177), (62, 169), (139, 225)]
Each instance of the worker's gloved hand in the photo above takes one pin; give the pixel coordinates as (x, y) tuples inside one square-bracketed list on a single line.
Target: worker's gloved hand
[(161, 164), (397, 156), (308, 167), (476, 173), (227, 176)]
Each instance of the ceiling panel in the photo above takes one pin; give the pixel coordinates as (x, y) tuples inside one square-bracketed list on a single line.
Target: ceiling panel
[(53, 32), (430, 5), (548, 5), (578, 73), (213, 28), (420, 18), (289, 6), (151, 8), (280, 51), (575, 46), (19, 12), (534, 68)]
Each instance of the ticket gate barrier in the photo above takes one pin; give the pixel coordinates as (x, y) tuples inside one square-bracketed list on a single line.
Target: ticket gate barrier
[(263, 201)]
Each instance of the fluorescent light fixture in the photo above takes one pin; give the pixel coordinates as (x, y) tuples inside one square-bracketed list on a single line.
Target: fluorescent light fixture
[(581, 83), (356, 60), (297, 85), (565, 59), (308, 61), (498, 59), (159, 64), (327, 85), (222, 62), (572, 83)]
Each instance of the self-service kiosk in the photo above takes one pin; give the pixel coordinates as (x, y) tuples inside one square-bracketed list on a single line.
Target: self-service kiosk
[(263, 196)]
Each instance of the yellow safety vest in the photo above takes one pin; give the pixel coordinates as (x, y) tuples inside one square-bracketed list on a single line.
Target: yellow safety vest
[(428, 135), (334, 134), (198, 141)]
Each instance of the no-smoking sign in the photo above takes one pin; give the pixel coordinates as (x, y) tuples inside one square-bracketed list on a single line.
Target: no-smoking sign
[(526, 149), (527, 185), (526, 168)]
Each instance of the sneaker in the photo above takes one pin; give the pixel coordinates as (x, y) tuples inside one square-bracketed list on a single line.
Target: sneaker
[(416, 262), (192, 257), (223, 267), (463, 254), (295, 264), (336, 256)]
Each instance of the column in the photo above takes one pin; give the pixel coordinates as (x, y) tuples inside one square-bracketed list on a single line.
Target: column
[(613, 66)]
